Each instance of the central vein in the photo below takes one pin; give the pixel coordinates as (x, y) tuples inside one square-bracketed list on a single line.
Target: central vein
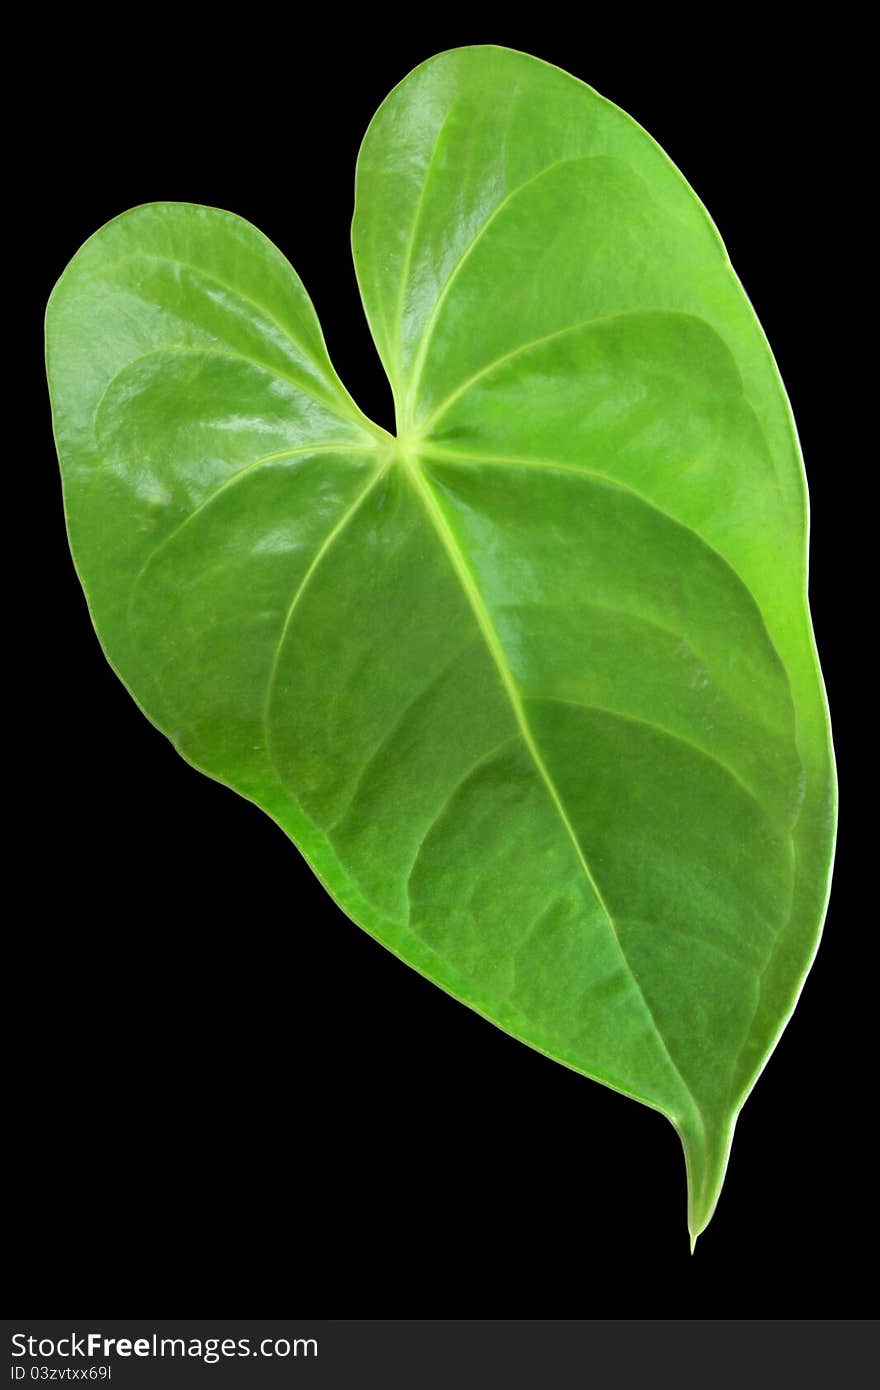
[(480, 612), (487, 628)]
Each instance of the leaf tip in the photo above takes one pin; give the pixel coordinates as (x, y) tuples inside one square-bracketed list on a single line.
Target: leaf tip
[(706, 1149)]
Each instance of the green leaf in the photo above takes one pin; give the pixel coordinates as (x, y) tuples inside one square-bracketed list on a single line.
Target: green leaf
[(531, 685)]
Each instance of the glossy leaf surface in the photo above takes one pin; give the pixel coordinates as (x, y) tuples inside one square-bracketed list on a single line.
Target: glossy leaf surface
[(531, 685)]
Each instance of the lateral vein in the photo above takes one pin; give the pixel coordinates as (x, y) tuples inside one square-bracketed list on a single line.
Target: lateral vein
[(303, 584)]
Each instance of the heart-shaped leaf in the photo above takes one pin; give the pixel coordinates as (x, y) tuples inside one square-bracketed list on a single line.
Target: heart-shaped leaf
[(531, 685)]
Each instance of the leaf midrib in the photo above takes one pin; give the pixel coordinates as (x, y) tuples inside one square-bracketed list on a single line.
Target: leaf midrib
[(456, 457), (481, 614), (445, 535)]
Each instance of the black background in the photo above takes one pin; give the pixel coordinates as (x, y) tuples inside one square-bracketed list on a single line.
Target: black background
[(220, 1089)]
